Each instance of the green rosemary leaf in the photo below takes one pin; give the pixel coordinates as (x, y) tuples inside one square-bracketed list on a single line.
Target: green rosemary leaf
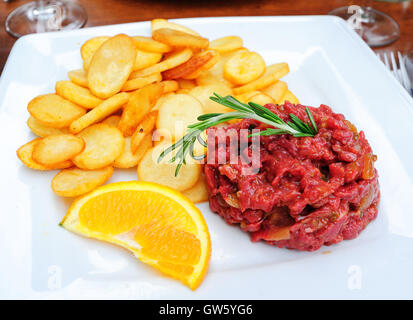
[(312, 121)]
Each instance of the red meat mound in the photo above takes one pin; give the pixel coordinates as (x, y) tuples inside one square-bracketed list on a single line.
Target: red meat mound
[(305, 192)]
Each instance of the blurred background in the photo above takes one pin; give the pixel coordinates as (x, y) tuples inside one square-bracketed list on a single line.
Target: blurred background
[(105, 12)]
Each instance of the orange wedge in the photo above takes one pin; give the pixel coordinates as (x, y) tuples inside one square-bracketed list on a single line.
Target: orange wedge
[(159, 225)]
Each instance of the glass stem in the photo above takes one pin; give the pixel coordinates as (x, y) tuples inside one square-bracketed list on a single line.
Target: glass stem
[(366, 12)]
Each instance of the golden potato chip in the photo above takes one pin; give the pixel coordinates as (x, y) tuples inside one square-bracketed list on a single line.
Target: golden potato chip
[(276, 90), (143, 129), (200, 149), (150, 45), (208, 65), (105, 109), (160, 100), (112, 121), (25, 152), (176, 38), (163, 23), (171, 62), (42, 130), (77, 94), (226, 44), (89, 48), (195, 63), (185, 91), (103, 145), (216, 72), (139, 104), (78, 77), (186, 84), (272, 74), (111, 66), (246, 96), (244, 67), (56, 149), (290, 97), (53, 111), (177, 112), (75, 182), (203, 94), (262, 99), (164, 173), (146, 59), (206, 78), (161, 136), (137, 83), (129, 159), (169, 86), (199, 192)]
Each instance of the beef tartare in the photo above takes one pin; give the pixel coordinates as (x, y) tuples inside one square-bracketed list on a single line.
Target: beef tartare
[(307, 191)]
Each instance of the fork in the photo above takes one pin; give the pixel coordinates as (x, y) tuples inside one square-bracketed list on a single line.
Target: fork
[(399, 73)]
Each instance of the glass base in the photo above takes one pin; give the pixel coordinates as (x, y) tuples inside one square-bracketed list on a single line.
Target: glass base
[(45, 16), (375, 27)]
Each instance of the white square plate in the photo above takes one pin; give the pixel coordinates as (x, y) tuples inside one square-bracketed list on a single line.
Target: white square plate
[(329, 64)]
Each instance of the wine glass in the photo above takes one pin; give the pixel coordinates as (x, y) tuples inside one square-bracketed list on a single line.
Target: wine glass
[(375, 27), (44, 16)]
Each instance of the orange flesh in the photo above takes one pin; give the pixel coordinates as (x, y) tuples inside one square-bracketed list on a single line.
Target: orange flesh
[(118, 212), (166, 238)]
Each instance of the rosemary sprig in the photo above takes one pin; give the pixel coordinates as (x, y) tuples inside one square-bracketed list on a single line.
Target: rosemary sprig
[(296, 127)]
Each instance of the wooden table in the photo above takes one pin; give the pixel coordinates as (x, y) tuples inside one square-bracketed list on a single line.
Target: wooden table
[(104, 12)]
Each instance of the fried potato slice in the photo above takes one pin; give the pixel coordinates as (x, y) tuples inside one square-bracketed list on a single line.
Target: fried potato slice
[(53, 111), (89, 48), (179, 39), (112, 120), (272, 74), (150, 45), (163, 23), (203, 94), (139, 104), (186, 84), (206, 78), (169, 86), (195, 63), (56, 149), (164, 173), (146, 59), (77, 94), (208, 65), (25, 152), (144, 128), (111, 66), (226, 44), (137, 83), (290, 97), (199, 192), (129, 159), (185, 91), (78, 77), (161, 99), (276, 90), (244, 67), (103, 145), (74, 182), (42, 130), (200, 149), (105, 109), (177, 112), (262, 99), (216, 72), (172, 61), (246, 96)]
